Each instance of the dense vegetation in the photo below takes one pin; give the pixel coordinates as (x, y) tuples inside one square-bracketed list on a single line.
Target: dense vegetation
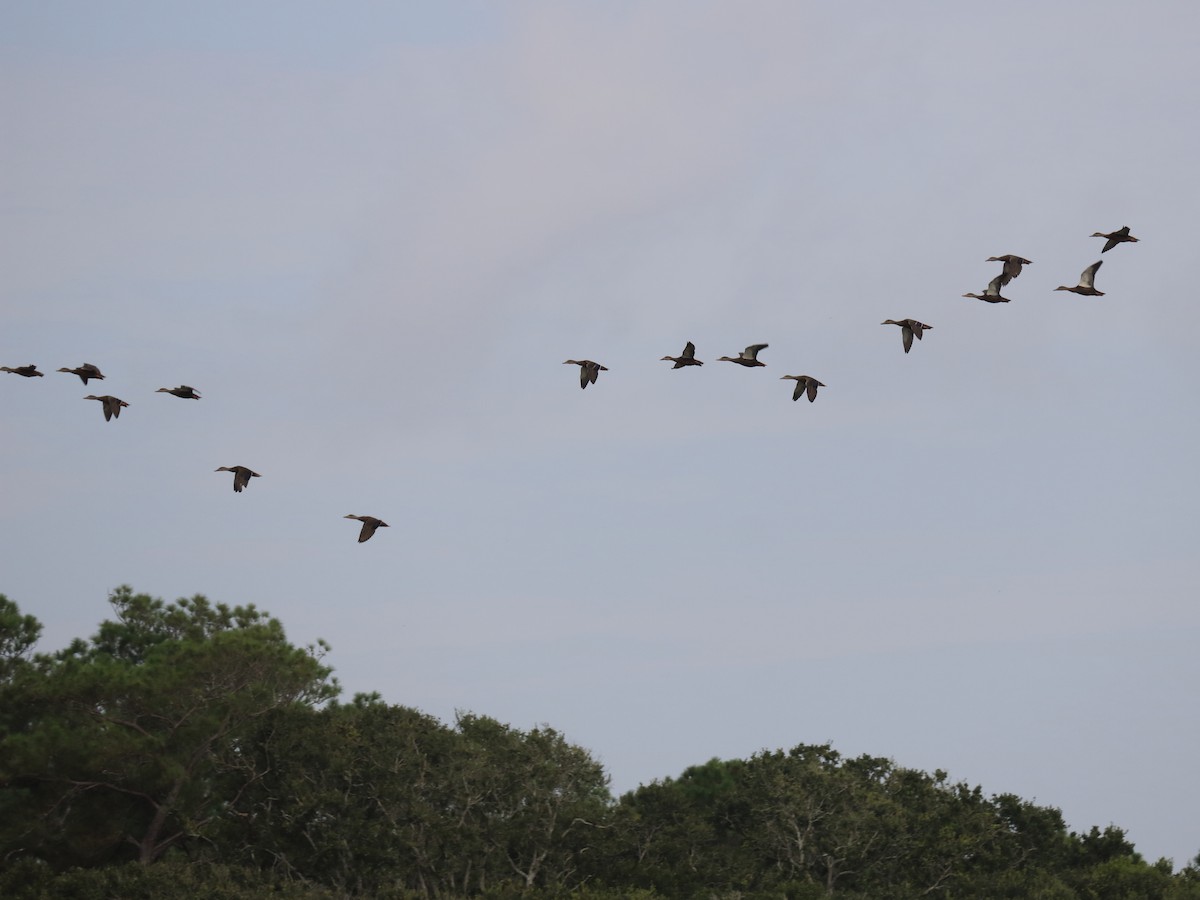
[(187, 749)]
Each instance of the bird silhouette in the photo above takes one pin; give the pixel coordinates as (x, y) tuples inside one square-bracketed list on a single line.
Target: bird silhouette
[(1120, 236), (112, 405), (747, 358), (588, 372), (908, 329), (86, 371), (1086, 284), (687, 358), (804, 383), (184, 391), (370, 523), (29, 371), (241, 476)]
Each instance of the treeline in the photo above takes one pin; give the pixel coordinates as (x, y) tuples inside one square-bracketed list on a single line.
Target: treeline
[(188, 749)]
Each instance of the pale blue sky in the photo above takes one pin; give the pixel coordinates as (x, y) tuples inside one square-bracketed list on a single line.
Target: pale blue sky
[(370, 234)]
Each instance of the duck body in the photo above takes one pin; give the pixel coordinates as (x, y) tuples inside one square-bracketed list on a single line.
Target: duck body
[(241, 476), (112, 405), (1086, 285), (588, 372), (748, 357), (1012, 266), (804, 384), (184, 391), (909, 328), (86, 371), (370, 523), (29, 371), (1120, 236), (992, 293), (687, 358)]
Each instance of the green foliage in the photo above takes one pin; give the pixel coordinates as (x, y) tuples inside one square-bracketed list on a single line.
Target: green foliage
[(134, 742), (1121, 878), (18, 634), (808, 823), (187, 749), (166, 880), (369, 797)]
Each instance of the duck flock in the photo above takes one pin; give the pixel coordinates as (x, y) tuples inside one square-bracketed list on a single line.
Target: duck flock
[(589, 370), (112, 407)]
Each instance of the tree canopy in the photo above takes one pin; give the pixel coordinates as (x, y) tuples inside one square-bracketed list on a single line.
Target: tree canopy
[(188, 748), (126, 744)]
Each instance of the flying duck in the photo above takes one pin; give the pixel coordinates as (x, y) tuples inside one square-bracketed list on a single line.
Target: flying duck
[(241, 476), (1012, 266), (687, 359), (588, 372), (992, 293), (86, 371), (747, 358), (29, 371), (187, 393), (112, 406), (1120, 236), (1086, 284), (370, 523), (804, 383), (908, 328)]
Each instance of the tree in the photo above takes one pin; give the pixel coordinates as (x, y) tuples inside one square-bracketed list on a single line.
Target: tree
[(134, 742), (356, 796), (681, 836), (370, 798), (536, 797), (193, 736), (18, 635)]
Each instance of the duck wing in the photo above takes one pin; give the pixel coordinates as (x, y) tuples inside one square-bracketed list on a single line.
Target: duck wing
[(751, 352), (368, 529)]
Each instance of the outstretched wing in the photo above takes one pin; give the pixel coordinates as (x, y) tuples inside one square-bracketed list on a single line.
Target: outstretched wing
[(751, 352)]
